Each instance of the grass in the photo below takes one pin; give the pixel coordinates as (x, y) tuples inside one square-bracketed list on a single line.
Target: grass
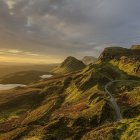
[(130, 67), (73, 106), (38, 113), (128, 97), (124, 130), (23, 77), (13, 134), (17, 102)]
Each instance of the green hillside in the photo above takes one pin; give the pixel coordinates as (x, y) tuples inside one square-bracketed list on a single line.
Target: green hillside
[(135, 47), (23, 77), (6, 69), (74, 106), (127, 60), (70, 64)]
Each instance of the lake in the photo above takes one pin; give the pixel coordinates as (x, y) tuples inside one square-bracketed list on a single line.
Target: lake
[(46, 76), (10, 86)]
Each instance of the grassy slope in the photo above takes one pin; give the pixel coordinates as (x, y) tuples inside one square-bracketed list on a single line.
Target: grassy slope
[(23, 77), (70, 64), (7, 69), (128, 129), (72, 106), (127, 60)]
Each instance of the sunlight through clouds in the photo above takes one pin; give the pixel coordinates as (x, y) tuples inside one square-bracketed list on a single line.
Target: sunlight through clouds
[(10, 3), (68, 27)]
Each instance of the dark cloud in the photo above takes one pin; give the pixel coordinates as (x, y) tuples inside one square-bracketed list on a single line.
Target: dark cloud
[(70, 27)]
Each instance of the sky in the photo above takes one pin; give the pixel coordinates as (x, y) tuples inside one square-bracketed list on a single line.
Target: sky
[(47, 31)]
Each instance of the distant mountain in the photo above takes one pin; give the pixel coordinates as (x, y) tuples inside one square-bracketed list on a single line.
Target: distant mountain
[(127, 60), (23, 77), (70, 64), (89, 60)]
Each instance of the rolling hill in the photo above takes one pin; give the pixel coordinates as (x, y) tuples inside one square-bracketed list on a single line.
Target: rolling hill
[(75, 106), (135, 47), (70, 64), (6, 69), (127, 60), (23, 77)]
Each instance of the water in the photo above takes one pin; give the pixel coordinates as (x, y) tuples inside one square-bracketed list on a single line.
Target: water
[(46, 76), (10, 86)]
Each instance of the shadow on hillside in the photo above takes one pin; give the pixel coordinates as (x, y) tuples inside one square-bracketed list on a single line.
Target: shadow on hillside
[(106, 72)]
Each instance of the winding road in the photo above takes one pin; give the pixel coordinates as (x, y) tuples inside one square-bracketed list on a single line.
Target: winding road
[(113, 101)]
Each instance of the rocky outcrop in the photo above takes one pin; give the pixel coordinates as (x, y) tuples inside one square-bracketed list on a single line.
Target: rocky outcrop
[(135, 47), (117, 52), (127, 60)]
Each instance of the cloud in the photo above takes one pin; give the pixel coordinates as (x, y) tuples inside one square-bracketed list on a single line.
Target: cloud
[(20, 56), (17, 52), (68, 27), (10, 3), (13, 51)]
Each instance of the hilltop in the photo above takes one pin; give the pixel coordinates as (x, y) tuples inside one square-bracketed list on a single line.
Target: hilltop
[(89, 60), (70, 64), (135, 47), (118, 52), (127, 60)]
